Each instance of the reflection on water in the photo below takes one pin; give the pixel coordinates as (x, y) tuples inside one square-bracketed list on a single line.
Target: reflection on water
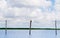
[(29, 36), (25, 34)]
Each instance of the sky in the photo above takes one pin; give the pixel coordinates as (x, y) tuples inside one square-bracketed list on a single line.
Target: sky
[(20, 12), (29, 10)]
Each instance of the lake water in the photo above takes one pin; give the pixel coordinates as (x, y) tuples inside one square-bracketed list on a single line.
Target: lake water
[(25, 34)]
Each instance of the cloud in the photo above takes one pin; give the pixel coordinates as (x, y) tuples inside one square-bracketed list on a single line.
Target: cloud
[(27, 13), (37, 13), (3, 4), (57, 1), (1, 16), (29, 3), (3, 8), (57, 7)]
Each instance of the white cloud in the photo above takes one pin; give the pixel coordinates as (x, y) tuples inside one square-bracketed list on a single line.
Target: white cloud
[(19, 12), (36, 3), (57, 1), (22, 11), (3, 4), (50, 16), (37, 13), (3, 8), (58, 15), (31, 13), (57, 7), (1, 16)]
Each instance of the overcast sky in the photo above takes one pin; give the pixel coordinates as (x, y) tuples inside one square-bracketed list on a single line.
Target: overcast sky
[(41, 12), (30, 9)]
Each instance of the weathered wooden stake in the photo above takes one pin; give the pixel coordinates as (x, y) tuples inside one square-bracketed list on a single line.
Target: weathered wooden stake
[(5, 27), (56, 27), (30, 27)]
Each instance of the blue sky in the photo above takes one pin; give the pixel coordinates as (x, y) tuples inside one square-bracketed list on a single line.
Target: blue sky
[(20, 12)]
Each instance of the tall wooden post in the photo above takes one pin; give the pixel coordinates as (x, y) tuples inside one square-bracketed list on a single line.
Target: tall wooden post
[(56, 27), (5, 27), (30, 27)]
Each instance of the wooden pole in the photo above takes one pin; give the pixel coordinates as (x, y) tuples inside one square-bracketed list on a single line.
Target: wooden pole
[(5, 27), (56, 27), (30, 27)]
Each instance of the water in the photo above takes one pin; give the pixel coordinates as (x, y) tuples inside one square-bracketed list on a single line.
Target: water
[(25, 34)]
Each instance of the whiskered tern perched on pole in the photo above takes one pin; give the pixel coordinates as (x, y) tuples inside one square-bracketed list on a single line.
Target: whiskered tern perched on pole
[(30, 27)]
